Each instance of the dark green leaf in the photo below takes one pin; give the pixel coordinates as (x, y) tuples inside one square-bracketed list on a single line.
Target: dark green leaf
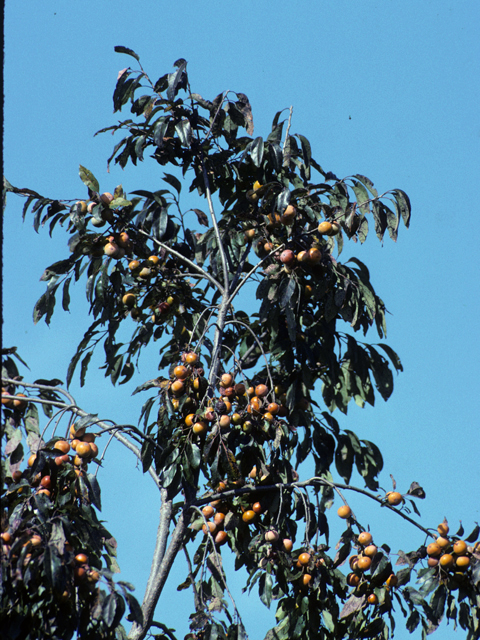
[(88, 179), (129, 52)]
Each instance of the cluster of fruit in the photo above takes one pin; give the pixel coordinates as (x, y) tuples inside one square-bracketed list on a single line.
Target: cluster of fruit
[(449, 554), (361, 562), (236, 405), (101, 213), (27, 546), (17, 403)]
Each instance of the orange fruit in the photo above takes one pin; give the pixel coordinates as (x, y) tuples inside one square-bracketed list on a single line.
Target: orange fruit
[(177, 387), (257, 507), (314, 255), (287, 257), (288, 215), (6, 537), (62, 445), (191, 357), (271, 536), (129, 300), (394, 498), (153, 260), (226, 380), (372, 599), (190, 419), (364, 538), (459, 547), (133, 265), (210, 526), (392, 580), (432, 562), (344, 511), (370, 551), (353, 580), (81, 558), (447, 561), (224, 421), (325, 228), (434, 550), (46, 482), (443, 528), (249, 235), (306, 579), (443, 543), (83, 450), (462, 562), (363, 563), (199, 428), (181, 372), (261, 390), (248, 516), (221, 537), (304, 558), (287, 544), (208, 511), (18, 403), (219, 518), (59, 460)]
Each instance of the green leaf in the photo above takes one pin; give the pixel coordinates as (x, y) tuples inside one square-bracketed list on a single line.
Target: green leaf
[(89, 179), (177, 80), (256, 149)]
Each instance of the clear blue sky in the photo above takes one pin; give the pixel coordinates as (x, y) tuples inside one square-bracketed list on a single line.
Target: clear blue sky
[(385, 88)]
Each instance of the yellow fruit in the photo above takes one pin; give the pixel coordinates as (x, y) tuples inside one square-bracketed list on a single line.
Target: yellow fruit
[(287, 545), (271, 536), (199, 428), (372, 599), (363, 563), (208, 511), (459, 547), (353, 580), (256, 185), (394, 498), (462, 562), (447, 561), (392, 580), (370, 551), (153, 261), (83, 205), (181, 372), (83, 450), (434, 550), (443, 528), (129, 300), (62, 445), (289, 214), (364, 538), (325, 228), (344, 511), (248, 516)]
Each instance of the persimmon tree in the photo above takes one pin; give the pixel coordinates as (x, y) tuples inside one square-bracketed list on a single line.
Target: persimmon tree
[(262, 334)]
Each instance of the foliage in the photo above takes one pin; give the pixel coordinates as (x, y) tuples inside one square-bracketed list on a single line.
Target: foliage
[(260, 331)]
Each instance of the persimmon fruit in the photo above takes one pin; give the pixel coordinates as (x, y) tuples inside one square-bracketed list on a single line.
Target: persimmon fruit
[(344, 511)]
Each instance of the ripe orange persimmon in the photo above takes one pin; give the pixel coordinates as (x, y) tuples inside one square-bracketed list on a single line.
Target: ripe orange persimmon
[(443, 528), (462, 562), (81, 558), (447, 561), (59, 460), (459, 547), (288, 215), (218, 518), (221, 537), (181, 372), (432, 562), (261, 390), (372, 599), (287, 257), (199, 428), (325, 228), (364, 538), (32, 459), (177, 387), (306, 579), (83, 450), (271, 536), (363, 563), (248, 516), (190, 419), (191, 357), (443, 543), (257, 507), (434, 550), (370, 551), (394, 498), (210, 526), (304, 558), (19, 403), (392, 580), (314, 255), (208, 511), (353, 579), (226, 380), (344, 511), (224, 421), (62, 445)]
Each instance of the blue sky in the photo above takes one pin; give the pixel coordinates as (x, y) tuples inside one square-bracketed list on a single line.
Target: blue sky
[(387, 89)]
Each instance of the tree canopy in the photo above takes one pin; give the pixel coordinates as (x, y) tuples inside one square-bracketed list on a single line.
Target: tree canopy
[(263, 333)]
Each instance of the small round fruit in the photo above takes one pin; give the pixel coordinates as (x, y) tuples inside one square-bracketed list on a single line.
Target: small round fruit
[(129, 300), (443, 528), (261, 390), (459, 547), (462, 562), (181, 372), (112, 250), (271, 536), (248, 516), (432, 562), (133, 265), (106, 197), (209, 527), (306, 579), (81, 558), (19, 403), (392, 580), (370, 551), (363, 563), (304, 559), (208, 511), (199, 428), (249, 235), (273, 408), (89, 437), (288, 215), (221, 538), (434, 550), (344, 511), (303, 257), (394, 498), (325, 228), (82, 205), (447, 561), (59, 460), (84, 450), (287, 544), (35, 540), (190, 419), (364, 538), (177, 387), (257, 507), (314, 255), (226, 380), (219, 518), (372, 599), (191, 357), (224, 421), (62, 445), (17, 475), (93, 449), (153, 261), (46, 482), (353, 579), (287, 257), (32, 459), (6, 537)]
